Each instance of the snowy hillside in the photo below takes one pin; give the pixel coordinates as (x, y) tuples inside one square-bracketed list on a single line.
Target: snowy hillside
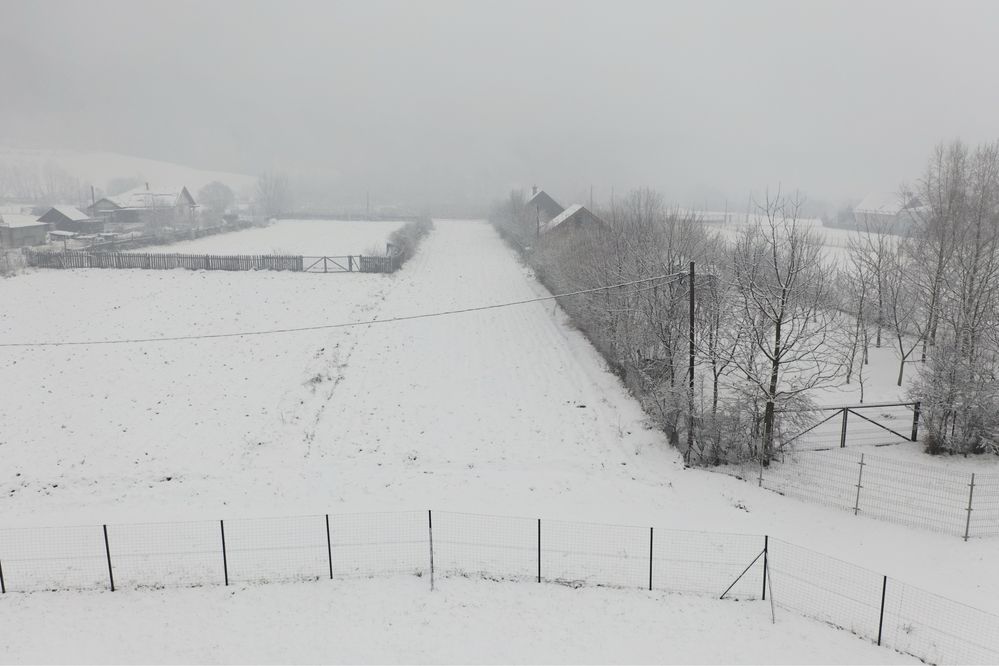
[(21, 167)]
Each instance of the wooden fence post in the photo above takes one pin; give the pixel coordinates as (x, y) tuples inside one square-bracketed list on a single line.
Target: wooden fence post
[(915, 421), (971, 495)]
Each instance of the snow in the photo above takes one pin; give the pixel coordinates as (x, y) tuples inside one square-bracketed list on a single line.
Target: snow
[(563, 216), (143, 197), (304, 237), (71, 213), (14, 221), (401, 621), (505, 411)]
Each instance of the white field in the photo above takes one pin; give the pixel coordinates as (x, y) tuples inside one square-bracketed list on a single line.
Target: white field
[(506, 411), (313, 238), (402, 621)]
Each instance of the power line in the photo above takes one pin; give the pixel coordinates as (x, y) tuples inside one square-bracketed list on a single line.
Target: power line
[(319, 327)]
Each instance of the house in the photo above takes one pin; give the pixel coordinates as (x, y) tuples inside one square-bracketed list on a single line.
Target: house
[(542, 208), (67, 218), (146, 208), (574, 217), (888, 210), (21, 231)]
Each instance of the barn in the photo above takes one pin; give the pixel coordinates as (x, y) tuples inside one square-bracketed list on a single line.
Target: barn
[(574, 217), (21, 231), (542, 208), (147, 209), (73, 220)]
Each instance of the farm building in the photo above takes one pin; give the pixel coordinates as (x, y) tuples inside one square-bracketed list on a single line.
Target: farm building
[(21, 231), (146, 208), (67, 218), (575, 216), (888, 210), (542, 208)]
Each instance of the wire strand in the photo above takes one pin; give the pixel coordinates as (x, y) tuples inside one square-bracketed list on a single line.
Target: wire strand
[(319, 327)]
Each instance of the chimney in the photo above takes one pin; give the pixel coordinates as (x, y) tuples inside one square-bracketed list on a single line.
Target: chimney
[(534, 190)]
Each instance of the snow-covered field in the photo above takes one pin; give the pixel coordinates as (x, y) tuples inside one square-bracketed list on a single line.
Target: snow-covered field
[(304, 237), (506, 411), (401, 621)]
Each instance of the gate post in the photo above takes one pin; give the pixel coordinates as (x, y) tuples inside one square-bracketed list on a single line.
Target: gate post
[(915, 421), (842, 435), (860, 480)]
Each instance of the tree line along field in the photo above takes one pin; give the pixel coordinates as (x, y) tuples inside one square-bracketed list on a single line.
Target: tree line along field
[(784, 321)]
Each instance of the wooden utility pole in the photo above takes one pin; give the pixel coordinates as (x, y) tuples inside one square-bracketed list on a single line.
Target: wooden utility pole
[(690, 406)]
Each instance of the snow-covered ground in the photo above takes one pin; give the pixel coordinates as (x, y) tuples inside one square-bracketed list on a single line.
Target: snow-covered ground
[(506, 411), (402, 621), (313, 238)]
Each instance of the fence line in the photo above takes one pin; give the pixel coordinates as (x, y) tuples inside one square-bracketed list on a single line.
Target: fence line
[(964, 504), (443, 544), (209, 262)]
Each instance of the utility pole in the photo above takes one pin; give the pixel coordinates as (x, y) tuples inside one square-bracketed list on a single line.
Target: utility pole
[(690, 414)]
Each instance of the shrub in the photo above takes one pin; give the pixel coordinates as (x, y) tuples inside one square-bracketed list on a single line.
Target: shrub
[(406, 239)]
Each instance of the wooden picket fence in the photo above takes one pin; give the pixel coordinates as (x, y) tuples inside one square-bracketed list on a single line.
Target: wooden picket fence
[(205, 262), (210, 262)]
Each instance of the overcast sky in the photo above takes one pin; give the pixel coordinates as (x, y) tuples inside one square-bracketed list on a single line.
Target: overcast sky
[(438, 100)]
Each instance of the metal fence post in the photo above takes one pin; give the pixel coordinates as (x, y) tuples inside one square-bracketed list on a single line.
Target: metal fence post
[(329, 545), (860, 479), (539, 550), (971, 495), (107, 552), (766, 564), (430, 531), (650, 557), (842, 434), (915, 421), (225, 562), (3, 586), (881, 617)]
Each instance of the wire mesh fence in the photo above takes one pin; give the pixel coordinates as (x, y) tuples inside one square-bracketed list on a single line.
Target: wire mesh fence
[(423, 543), (964, 504), (879, 608)]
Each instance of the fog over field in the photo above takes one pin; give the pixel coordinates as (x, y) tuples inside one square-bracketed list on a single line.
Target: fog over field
[(452, 101)]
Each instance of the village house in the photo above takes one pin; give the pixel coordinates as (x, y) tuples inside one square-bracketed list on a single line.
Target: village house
[(71, 220), (572, 218), (542, 208), (888, 210), (21, 231), (146, 209)]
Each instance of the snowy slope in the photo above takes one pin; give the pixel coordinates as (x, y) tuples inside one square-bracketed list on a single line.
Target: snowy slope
[(97, 168)]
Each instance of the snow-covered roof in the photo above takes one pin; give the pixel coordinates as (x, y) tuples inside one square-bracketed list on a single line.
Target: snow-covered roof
[(140, 197), (62, 234), (71, 213), (884, 203), (13, 220), (563, 216)]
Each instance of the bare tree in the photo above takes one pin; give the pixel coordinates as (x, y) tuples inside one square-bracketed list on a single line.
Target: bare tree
[(273, 193), (784, 292)]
